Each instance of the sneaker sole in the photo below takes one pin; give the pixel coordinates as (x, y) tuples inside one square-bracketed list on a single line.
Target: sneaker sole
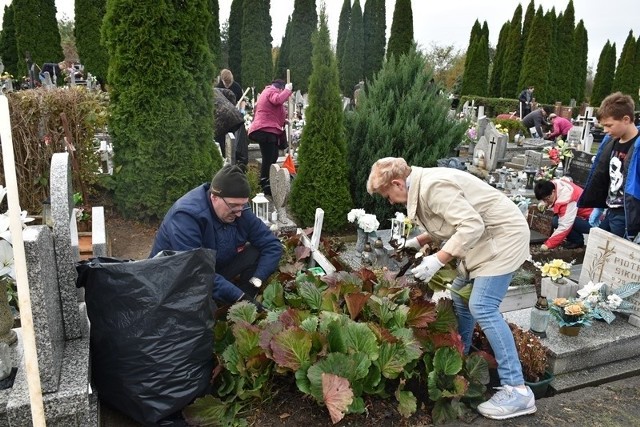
[(527, 411)]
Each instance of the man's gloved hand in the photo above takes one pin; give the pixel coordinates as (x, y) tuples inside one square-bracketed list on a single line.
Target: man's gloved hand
[(259, 306), (411, 243), (544, 248), (427, 268), (594, 218), (289, 86)]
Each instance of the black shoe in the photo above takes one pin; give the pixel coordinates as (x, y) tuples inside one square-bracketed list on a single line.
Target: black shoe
[(573, 245)]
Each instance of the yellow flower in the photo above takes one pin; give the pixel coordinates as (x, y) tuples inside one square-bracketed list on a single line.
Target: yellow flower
[(560, 302), (574, 309)]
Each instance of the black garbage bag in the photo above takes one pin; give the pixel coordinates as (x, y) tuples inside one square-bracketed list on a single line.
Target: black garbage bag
[(151, 330), (227, 117)]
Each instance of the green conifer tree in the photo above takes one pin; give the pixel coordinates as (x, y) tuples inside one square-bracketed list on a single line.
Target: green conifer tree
[(605, 73), (215, 43), (529, 14), (476, 33), (352, 61), (8, 45), (563, 56), (554, 78), (235, 40), (36, 32), (637, 65), (535, 61), (401, 37), (580, 59), (283, 58), (624, 79), (498, 62), (401, 115), (322, 179), (474, 81), (513, 57), (304, 21), (257, 65), (344, 23), (164, 149), (88, 22), (375, 27)]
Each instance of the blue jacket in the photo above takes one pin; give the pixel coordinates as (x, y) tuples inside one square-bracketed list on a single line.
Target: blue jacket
[(597, 186), (192, 223)]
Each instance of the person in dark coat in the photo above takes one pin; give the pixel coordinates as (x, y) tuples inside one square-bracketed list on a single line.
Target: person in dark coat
[(217, 216), (242, 141), (535, 119), (525, 98)]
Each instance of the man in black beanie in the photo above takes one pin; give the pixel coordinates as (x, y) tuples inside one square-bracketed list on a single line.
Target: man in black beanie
[(217, 216)]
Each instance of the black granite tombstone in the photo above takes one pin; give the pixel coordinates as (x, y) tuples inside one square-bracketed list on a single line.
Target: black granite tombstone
[(580, 167)]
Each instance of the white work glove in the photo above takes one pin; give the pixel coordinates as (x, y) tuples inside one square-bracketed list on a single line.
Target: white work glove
[(544, 248), (411, 243), (427, 268), (289, 86)]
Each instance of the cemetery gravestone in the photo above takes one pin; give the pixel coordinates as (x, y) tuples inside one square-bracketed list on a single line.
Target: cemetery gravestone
[(483, 122), (580, 167), (533, 159), (499, 139), (614, 261)]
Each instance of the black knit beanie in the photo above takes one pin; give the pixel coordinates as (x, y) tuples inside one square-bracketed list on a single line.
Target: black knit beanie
[(230, 181)]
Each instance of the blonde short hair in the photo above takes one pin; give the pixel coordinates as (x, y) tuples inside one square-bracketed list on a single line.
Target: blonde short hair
[(386, 170), (227, 77)]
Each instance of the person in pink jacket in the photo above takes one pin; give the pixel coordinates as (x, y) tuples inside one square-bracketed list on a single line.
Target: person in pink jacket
[(561, 127), (569, 221), (268, 126)]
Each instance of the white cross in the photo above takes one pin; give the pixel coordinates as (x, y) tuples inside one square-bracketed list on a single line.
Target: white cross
[(587, 120)]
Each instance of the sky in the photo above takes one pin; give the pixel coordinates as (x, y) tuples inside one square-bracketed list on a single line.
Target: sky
[(448, 22)]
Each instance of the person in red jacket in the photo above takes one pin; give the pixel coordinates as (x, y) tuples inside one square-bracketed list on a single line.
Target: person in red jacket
[(569, 221), (561, 127)]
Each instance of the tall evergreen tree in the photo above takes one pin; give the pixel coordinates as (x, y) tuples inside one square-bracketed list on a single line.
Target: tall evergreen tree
[(257, 66), (283, 58), (375, 27), (561, 69), (499, 61), (401, 37), (637, 65), (580, 59), (474, 81), (352, 61), (401, 115), (529, 14), (164, 149), (605, 73), (235, 40), (322, 179), (304, 22), (535, 61), (476, 33), (554, 81), (343, 28), (513, 57), (88, 22), (8, 44), (36, 32), (215, 44), (624, 79)]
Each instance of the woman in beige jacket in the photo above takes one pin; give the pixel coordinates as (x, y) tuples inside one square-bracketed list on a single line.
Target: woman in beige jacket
[(489, 236)]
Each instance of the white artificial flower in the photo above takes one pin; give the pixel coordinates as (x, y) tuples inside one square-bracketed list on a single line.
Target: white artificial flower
[(368, 222), (400, 216), (613, 301), (593, 299), (6, 260), (355, 214), (590, 288)]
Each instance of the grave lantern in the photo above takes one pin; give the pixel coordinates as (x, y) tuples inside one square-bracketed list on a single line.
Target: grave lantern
[(260, 207), (540, 317), (46, 213), (398, 228)]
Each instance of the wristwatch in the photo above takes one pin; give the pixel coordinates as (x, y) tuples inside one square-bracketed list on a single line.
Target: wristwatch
[(255, 282)]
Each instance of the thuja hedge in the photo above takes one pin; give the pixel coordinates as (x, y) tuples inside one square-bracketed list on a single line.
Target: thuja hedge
[(38, 131)]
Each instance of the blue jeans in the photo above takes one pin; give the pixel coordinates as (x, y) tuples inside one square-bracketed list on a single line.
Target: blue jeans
[(614, 222), (486, 296), (580, 227)]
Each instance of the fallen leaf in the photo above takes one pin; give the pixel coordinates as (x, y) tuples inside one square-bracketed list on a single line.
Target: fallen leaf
[(337, 395)]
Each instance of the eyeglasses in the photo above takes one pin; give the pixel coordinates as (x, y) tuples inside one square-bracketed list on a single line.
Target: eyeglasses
[(236, 207)]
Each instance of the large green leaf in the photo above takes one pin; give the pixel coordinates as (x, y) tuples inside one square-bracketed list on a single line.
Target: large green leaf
[(210, 411), (273, 295), (232, 360), (477, 369), (447, 361), (458, 387), (353, 367), (391, 360), (247, 339), (446, 319), (310, 294), (302, 380), (291, 348), (242, 311), (372, 383), (407, 403), (335, 338), (310, 324), (399, 318), (382, 308), (412, 349), (359, 338)]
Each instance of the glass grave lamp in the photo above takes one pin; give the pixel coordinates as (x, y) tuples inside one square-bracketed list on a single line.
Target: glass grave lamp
[(540, 317), (47, 219), (260, 207), (398, 229), (531, 174)]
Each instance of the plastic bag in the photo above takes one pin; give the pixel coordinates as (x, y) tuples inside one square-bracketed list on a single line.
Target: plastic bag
[(151, 330)]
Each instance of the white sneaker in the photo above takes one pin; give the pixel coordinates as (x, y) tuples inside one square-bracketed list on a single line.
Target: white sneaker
[(508, 403)]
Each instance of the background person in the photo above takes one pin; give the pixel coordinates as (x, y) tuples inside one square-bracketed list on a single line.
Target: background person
[(569, 221), (614, 180), (561, 127), (535, 119), (525, 98), (268, 126), (489, 236), (216, 216)]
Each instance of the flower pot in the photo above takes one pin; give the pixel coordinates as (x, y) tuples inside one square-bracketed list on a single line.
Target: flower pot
[(552, 290), (570, 331), (539, 388)]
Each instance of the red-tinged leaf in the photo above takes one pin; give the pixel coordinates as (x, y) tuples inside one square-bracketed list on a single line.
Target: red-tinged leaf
[(382, 333), (450, 339), (291, 269), (216, 371), (290, 317), (355, 303), (491, 360), (302, 252), (267, 334), (337, 395), (421, 313), (368, 278), (291, 348)]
